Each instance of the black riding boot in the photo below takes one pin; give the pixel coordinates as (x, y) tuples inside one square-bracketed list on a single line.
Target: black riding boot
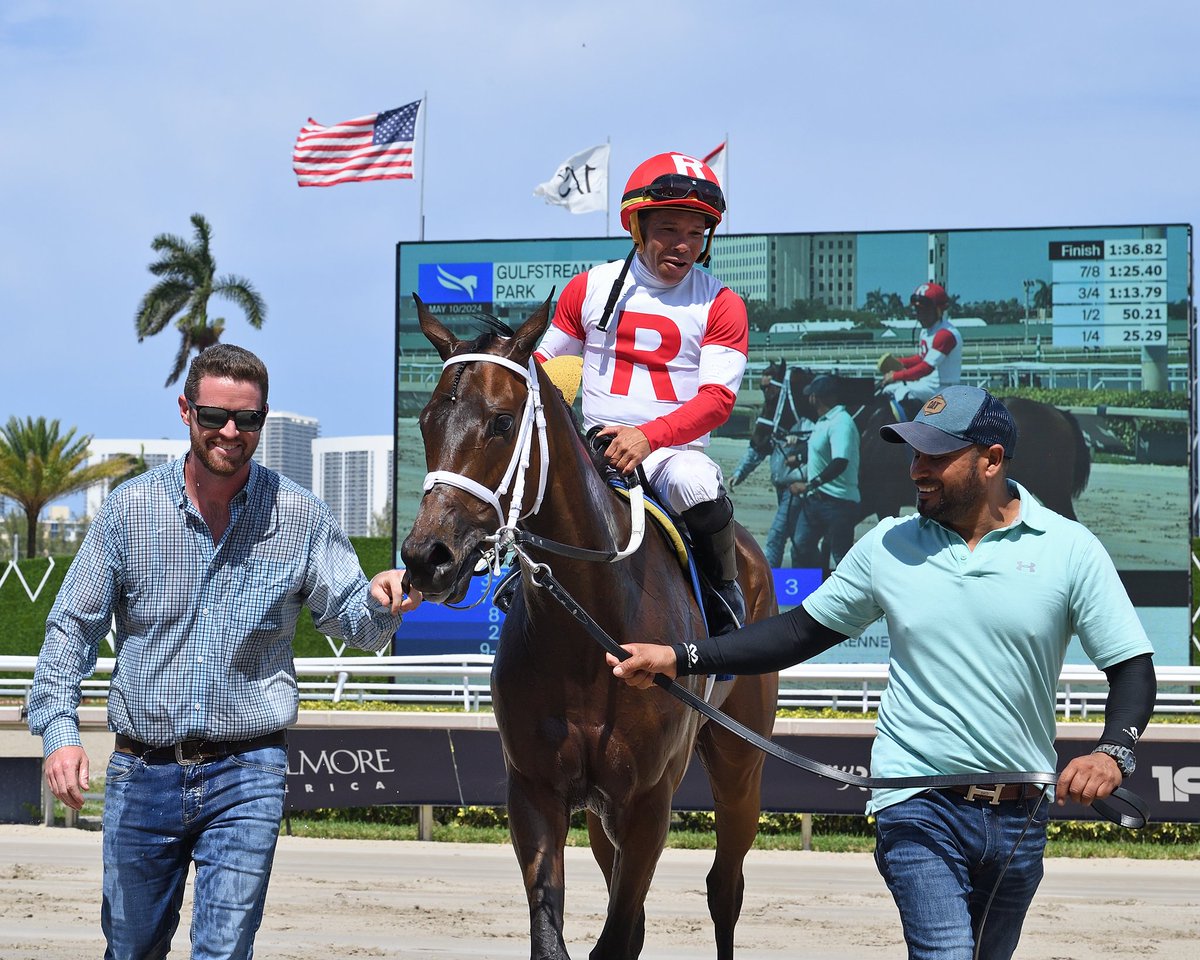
[(715, 546)]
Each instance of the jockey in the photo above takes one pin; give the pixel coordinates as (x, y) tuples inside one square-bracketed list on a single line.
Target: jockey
[(910, 381), (664, 350)]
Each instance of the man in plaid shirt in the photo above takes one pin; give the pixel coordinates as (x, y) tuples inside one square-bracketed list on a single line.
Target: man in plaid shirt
[(204, 563)]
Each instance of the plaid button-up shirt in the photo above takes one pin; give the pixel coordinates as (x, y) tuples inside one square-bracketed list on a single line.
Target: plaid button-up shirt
[(203, 631)]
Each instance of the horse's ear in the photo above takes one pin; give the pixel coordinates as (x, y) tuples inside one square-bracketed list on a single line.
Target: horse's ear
[(530, 334), (435, 332)]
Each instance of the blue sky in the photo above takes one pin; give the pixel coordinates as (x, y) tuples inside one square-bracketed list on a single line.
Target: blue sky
[(122, 119)]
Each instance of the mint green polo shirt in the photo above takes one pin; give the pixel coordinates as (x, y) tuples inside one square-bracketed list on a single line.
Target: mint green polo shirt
[(834, 435), (978, 638)]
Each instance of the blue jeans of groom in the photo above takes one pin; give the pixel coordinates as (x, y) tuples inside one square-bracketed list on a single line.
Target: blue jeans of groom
[(941, 855)]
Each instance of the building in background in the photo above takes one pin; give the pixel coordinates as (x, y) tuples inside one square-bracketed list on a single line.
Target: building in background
[(286, 445), (154, 452), (60, 530), (354, 476), (779, 269)]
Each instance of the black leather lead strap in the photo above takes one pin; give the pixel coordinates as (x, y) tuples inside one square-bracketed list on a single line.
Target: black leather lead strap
[(1104, 807)]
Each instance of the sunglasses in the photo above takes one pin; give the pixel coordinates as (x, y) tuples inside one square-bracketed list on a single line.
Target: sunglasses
[(214, 418), (675, 186)]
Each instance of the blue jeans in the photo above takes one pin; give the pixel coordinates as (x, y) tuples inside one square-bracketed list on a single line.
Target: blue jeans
[(824, 516), (941, 854), (782, 526), (159, 818)]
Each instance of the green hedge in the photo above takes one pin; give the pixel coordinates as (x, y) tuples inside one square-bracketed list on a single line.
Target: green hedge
[(769, 824), (24, 623), (1125, 428)]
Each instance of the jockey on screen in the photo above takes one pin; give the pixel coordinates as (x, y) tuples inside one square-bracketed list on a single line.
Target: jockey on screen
[(912, 380)]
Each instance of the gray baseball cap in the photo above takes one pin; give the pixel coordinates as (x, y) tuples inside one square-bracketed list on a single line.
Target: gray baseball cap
[(957, 417)]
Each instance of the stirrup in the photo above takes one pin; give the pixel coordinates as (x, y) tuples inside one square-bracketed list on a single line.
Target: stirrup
[(725, 608)]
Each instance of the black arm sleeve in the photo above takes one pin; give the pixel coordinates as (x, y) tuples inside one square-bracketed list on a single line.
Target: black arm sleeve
[(762, 647), (1132, 688), (834, 469)]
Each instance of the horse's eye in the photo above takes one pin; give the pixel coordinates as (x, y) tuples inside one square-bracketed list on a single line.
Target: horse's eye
[(502, 424)]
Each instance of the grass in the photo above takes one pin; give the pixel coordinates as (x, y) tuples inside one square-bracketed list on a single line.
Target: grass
[(837, 842), (693, 830)]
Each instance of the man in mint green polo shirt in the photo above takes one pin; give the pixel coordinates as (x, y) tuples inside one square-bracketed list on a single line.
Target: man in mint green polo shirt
[(830, 507), (982, 591)]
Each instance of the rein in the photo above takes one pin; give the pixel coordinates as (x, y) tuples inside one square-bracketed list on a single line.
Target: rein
[(541, 576)]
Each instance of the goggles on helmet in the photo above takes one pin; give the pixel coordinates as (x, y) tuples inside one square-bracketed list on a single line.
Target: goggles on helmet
[(676, 186), (932, 293)]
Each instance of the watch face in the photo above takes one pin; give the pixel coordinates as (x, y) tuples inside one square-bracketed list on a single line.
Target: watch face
[(1122, 755)]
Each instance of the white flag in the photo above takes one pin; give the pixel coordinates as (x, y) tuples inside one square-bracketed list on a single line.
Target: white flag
[(580, 183), (716, 160)]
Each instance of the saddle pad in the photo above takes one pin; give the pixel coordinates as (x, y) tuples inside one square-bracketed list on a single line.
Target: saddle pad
[(566, 373), (659, 515)]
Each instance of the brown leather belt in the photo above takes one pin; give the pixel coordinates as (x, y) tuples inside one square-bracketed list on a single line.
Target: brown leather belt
[(197, 751), (995, 793)]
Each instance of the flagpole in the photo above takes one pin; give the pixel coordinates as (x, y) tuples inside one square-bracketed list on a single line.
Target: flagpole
[(607, 187), (727, 178), (424, 130)]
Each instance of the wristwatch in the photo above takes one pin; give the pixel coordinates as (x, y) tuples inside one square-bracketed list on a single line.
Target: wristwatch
[(1126, 761)]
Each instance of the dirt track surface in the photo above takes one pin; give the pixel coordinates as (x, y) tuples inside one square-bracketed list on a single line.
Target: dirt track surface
[(421, 901)]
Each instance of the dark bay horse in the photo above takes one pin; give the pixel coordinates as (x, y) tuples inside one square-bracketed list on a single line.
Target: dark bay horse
[(1052, 459), (573, 736)]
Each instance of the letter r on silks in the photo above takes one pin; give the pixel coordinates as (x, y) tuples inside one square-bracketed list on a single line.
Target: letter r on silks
[(655, 361)]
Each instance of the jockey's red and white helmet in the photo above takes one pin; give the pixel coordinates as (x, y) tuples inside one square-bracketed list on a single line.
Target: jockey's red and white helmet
[(935, 293), (671, 180)]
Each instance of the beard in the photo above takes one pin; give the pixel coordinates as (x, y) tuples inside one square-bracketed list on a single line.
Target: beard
[(956, 507), (218, 464)]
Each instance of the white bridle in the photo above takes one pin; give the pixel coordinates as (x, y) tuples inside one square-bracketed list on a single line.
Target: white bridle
[(533, 414)]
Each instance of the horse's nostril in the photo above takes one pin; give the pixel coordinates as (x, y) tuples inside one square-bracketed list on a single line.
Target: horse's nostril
[(440, 555), (426, 557)]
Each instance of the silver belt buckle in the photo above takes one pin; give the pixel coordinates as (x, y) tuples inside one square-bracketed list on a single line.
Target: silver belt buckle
[(183, 759), (993, 795)]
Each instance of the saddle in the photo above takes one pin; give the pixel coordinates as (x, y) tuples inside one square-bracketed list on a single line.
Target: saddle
[(717, 615), (905, 409)]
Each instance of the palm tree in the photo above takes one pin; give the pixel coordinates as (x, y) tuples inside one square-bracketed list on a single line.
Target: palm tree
[(38, 465), (1043, 297), (188, 279), (876, 303), (135, 467)]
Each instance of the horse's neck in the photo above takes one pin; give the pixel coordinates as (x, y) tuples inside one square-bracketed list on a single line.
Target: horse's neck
[(578, 508)]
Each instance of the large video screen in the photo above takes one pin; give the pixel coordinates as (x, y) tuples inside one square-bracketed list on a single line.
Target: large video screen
[(1089, 327)]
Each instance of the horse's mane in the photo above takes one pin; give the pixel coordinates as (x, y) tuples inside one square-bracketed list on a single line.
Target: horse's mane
[(598, 462), (494, 326)]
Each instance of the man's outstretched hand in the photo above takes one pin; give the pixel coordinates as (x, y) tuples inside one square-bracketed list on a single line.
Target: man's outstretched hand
[(646, 659)]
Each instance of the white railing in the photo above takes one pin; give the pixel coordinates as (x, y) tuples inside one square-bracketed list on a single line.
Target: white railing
[(463, 680)]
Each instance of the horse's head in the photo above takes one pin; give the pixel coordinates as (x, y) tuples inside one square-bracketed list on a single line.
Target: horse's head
[(473, 426), (770, 381)]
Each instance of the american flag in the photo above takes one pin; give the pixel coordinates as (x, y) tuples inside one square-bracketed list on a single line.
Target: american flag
[(375, 147)]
